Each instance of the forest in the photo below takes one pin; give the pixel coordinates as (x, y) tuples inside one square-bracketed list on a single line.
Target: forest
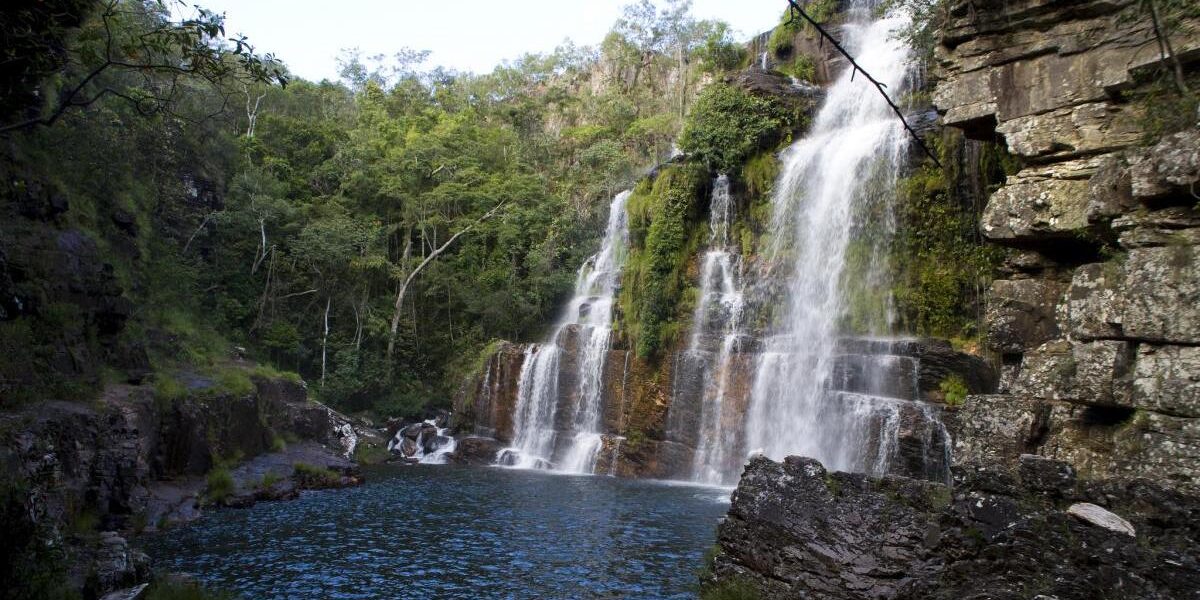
[(373, 233)]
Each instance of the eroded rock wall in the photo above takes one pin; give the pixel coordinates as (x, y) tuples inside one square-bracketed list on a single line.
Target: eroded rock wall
[(1096, 316)]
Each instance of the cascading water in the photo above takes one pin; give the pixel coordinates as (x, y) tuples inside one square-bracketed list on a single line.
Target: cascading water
[(837, 183), (716, 323), (542, 437), (431, 445)]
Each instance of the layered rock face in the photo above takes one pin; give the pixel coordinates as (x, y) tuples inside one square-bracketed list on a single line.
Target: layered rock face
[(1096, 319)]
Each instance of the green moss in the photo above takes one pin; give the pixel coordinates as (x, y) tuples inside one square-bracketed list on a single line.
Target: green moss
[(167, 388), (781, 41), (801, 67), (940, 497), (233, 380), (735, 588), (310, 476), (83, 523), (954, 389), (759, 174), (663, 217), (370, 454), (269, 372), (782, 37), (833, 485), (940, 267), (183, 590)]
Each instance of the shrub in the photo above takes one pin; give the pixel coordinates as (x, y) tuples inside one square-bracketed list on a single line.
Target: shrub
[(219, 484), (954, 389), (728, 124), (170, 589), (730, 589)]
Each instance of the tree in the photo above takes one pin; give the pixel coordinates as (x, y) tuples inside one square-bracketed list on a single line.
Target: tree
[(135, 51)]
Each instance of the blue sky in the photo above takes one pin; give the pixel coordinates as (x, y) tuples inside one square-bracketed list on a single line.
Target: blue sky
[(468, 35)]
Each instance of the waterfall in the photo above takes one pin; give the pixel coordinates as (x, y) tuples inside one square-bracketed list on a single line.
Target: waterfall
[(716, 322), (837, 183), (568, 369)]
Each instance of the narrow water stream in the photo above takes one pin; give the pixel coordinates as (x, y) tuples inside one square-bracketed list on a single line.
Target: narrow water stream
[(450, 532)]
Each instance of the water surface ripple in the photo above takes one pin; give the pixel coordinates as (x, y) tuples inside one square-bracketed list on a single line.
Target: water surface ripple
[(446, 532)]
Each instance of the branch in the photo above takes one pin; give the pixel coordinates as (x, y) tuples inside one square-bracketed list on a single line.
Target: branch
[(207, 218), (794, 9), (295, 294), (1165, 50), (413, 274)]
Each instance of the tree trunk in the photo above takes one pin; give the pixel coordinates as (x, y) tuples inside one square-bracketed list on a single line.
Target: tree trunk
[(413, 274), (325, 339)]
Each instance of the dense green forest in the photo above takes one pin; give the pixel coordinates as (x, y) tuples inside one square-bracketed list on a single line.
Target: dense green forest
[(372, 234)]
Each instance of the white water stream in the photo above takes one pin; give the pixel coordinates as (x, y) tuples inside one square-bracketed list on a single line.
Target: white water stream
[(542, 437), (717, 322), (834, 179)]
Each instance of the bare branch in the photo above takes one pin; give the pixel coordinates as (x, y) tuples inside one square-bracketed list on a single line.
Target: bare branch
[(794, 9), (413, 274)]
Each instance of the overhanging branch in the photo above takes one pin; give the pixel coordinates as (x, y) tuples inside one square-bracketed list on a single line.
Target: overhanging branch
[(795, 10)]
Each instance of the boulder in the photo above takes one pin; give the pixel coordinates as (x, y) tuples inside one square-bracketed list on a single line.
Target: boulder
[(475, 450), (1098, 516), (1081, 372), (1095, 303), (1020, 314), (1109, 191), (1071, 131), (1162, 303), (1120, 442), (996, 430), (1170, 226), (1172, 166), (116, 565), (1035, 210), (1166, 379)]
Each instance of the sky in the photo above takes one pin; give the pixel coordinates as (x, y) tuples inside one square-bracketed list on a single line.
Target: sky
[(466, 35)]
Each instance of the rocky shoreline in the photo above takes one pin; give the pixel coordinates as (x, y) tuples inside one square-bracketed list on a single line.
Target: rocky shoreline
[(795, 530), (93, 476)]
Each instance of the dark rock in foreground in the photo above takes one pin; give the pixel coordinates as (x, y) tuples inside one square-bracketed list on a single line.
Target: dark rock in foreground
[(795, 530)]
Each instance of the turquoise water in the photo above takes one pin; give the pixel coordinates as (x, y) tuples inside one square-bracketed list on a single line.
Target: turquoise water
[(447, 532)]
